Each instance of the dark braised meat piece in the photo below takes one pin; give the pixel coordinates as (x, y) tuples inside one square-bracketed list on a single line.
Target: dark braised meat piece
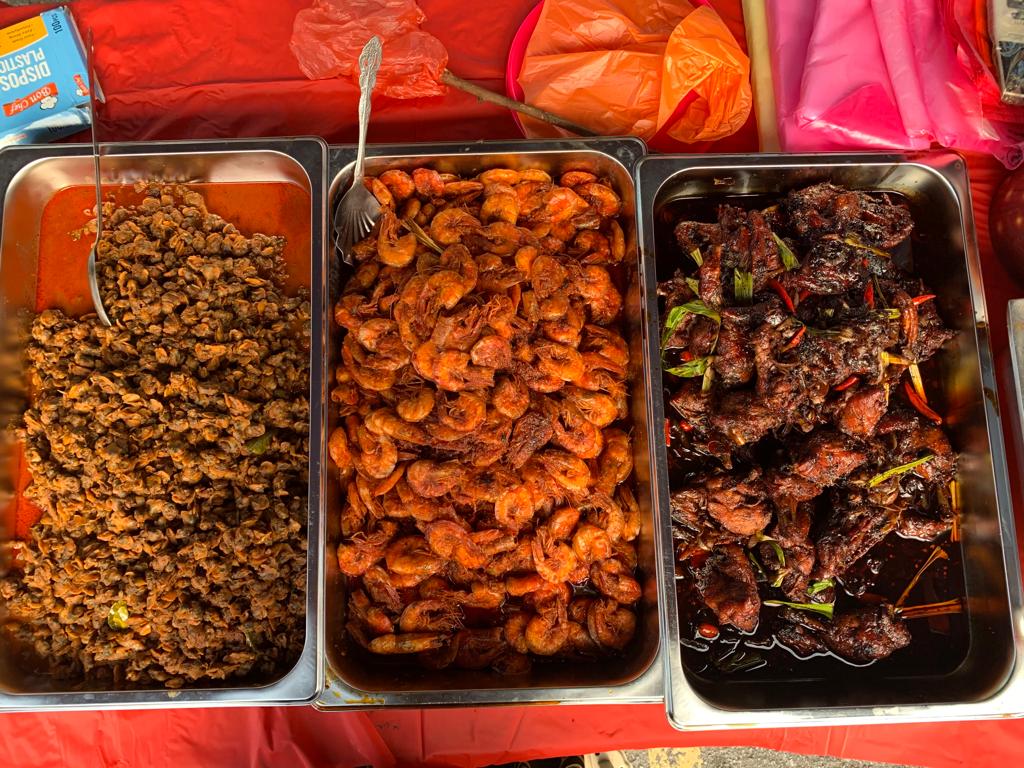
[(735, 501), (932, 333), (823, 459), (749, 244), (800, 640), (866, 634), (693, 405), (862, 635), (916, 525), (853, 348), (830, 267), (859, 410), (694, 235), (694, 533), (734, 359), (710, 278), (734, 362), (791, 572), (744, 418), (738, 503), (825, 209), (792, 524), (675, 290), (726, 583), (915, 438), (695, 333), (852, 528), (791, 531)]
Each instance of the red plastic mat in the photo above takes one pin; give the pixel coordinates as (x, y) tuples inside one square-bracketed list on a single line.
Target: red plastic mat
[(202, 69)]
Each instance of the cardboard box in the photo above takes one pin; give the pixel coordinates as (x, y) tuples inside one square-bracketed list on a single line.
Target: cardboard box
[(44, 86)]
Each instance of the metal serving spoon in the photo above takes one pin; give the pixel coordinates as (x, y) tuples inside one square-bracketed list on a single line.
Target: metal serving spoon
[(359, 210), (94, 288)]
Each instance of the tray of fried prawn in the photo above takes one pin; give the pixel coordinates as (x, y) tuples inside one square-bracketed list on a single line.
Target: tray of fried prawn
[(491, 533)]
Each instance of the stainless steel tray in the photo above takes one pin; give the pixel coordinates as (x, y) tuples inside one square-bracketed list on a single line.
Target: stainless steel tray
[(29, 177), (990, 680), (355, 682)]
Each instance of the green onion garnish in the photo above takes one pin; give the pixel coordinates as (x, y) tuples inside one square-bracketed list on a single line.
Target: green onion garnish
[(789, 259), (694, 284), (709, 376), (695, 255), (258, 445), (676, 315), (779, 554), (858, 244), (883, 476), (825, 609), (691, 368), (743, 285), (757, 565), (820, 586)]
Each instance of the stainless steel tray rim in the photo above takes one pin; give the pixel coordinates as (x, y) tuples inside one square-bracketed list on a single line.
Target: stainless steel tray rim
[(647, 686), (304, 681), (686, 709)]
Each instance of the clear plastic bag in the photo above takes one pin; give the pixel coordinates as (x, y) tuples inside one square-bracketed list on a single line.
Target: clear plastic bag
[(327, 38)]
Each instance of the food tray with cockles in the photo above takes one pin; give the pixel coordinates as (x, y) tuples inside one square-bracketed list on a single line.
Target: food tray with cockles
[(169, 555), (720, 676)]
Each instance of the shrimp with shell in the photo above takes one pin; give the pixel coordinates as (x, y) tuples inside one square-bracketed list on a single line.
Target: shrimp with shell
[(481, 373)]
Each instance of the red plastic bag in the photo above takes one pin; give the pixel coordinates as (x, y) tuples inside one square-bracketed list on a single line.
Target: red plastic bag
[(327, 38), (640, 67)]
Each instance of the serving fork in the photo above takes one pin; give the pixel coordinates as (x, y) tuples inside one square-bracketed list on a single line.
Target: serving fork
[(359, 210)]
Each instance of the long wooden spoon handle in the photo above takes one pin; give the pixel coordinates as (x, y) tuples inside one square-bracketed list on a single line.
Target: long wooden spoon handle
[(448, 78)]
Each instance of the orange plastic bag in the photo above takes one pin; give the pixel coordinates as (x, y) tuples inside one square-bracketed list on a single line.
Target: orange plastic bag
[(630, 67), (327, 38)]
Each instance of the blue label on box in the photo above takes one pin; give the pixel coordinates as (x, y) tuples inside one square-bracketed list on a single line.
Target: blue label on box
[(44, 88)]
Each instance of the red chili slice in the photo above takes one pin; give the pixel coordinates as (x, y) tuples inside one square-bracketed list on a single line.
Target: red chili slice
[(919, 300), (869, 295), (780, 289), (845, 383), (921, 406), (795, 339)]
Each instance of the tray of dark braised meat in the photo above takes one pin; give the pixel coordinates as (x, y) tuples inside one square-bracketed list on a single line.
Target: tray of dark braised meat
[(814, 492)]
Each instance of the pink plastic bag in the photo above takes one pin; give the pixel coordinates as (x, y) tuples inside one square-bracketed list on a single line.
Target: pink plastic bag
[(881, 74)]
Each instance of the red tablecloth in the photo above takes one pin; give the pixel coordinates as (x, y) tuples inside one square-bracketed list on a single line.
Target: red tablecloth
[(209, 68)]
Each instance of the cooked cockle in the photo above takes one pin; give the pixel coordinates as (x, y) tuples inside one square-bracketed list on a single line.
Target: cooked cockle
[(482, 371), (169, 459)]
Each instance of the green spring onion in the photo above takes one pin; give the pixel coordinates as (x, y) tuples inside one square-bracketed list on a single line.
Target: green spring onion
[(789, 259), (743, 286), (691, 368), (902, 468), (820, 586), (825, 609)]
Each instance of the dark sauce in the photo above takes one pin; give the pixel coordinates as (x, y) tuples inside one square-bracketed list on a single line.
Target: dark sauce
[(939, 644)]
